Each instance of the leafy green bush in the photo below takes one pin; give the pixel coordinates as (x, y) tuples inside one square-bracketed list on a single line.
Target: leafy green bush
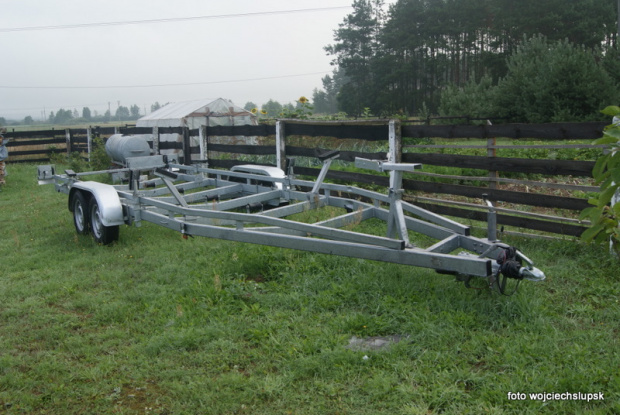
[(56, 156), (99, 159), (76, 162), (604, 215), (473, 100)]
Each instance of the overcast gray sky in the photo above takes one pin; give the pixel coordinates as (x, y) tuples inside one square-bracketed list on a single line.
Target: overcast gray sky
[(60, 54)]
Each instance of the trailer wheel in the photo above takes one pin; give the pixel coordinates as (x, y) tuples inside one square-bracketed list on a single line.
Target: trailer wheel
[(102, 234), (79, 206)]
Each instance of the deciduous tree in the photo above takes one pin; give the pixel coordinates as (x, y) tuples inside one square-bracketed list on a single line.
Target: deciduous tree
[(86, 113), (273, 108), (122, 113), (249, 106), (135, 112)]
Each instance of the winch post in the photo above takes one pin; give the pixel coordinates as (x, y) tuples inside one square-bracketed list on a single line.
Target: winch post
[(397, 226)]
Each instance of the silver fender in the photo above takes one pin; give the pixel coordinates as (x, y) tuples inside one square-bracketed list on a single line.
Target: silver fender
[(109, 203)]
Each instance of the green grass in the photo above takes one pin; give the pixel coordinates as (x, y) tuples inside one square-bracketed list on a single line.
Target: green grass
[(157, 324)]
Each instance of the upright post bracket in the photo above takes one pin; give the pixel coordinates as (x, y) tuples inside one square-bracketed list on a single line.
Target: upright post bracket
[(396, 218), (327, 161)]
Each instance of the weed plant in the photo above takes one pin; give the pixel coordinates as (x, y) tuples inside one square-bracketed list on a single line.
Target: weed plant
[(158, 324)]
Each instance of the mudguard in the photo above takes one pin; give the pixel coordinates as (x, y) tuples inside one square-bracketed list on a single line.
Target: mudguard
[(107, 198)]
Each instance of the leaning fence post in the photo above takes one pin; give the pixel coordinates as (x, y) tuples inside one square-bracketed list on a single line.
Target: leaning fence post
[(280, 144)]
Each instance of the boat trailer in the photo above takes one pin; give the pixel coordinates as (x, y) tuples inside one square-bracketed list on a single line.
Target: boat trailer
[(254, 206)]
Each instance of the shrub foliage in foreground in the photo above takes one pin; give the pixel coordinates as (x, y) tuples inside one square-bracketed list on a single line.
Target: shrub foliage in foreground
[(605, 215)]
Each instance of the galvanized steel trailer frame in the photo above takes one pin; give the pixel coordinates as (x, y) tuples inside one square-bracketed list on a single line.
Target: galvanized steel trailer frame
[(199, 201)]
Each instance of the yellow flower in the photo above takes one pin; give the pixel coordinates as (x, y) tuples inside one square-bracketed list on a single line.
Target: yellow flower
[(303, 100), (263, 112), (254, 110)]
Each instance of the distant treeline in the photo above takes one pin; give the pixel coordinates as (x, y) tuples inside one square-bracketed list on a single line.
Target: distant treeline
[(470, 56), (86, 115)]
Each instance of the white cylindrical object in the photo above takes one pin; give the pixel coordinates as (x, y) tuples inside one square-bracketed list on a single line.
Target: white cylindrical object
[(121, 147)]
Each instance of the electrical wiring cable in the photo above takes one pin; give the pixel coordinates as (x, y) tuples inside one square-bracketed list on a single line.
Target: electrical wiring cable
[(162, 85), (166, 20)]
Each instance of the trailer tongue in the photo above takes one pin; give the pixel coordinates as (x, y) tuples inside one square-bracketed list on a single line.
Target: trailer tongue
[(239, 206)]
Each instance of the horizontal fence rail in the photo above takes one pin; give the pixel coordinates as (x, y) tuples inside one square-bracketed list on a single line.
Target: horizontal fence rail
[(505, 164), (551, 131), (289, 138)]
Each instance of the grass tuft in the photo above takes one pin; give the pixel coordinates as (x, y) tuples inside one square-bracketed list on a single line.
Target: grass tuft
[(158, 324)]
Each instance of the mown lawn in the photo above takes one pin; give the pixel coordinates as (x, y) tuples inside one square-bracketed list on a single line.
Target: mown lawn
[(156, 324)]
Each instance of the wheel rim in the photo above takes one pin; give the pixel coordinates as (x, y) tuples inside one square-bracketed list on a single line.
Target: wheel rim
[(80, 218), (96, 222)]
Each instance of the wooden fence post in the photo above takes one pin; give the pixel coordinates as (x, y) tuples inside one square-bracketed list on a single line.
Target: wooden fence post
[(280, 145), (395, 142), (204, 154), (395, 151), (155, 140), (615, 199), (89, 142), (187, 149), (492, 152), (68, 138)]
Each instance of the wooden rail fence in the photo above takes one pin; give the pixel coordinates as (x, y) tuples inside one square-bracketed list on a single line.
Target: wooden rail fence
[(422, 188)]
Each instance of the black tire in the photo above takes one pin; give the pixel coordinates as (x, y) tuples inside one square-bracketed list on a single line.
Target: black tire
[(102, 234), (81, 219)]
